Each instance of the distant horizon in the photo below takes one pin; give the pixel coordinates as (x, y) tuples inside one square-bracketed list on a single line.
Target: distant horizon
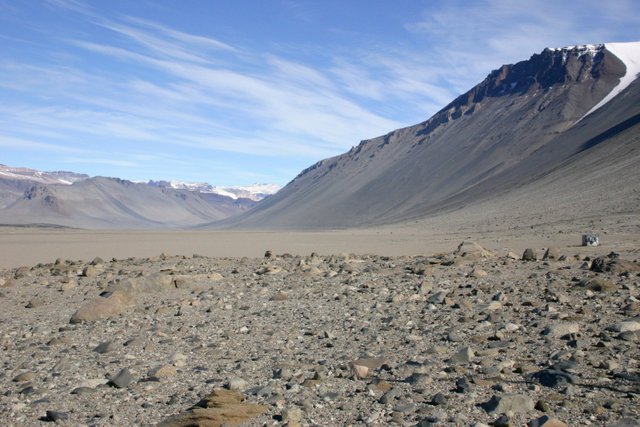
[(233, 95)]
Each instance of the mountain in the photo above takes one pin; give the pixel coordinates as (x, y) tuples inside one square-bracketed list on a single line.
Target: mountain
[(60, 198), (115, 203), (15, 181), (571, 113)]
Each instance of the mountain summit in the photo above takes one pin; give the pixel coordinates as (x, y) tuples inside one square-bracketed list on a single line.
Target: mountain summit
[(566, 112)]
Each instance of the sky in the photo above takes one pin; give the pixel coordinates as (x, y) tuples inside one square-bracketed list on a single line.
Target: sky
[(241, 92)]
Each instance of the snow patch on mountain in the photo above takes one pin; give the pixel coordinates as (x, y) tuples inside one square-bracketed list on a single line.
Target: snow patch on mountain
[(629, 54), (55, 177), (255, 192)]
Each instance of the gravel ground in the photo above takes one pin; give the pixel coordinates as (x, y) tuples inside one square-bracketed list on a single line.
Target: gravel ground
[(469, 337)]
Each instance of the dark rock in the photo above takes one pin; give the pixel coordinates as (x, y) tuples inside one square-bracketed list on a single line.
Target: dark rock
[(529, 255), (554, 377), (503, 421), (105, 347), (438, 399), (56, 416)]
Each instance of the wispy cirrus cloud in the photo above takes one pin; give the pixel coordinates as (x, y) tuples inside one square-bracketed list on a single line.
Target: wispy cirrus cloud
[(140, 86)]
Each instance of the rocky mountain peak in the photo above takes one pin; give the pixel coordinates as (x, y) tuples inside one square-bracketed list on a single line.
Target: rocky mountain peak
[(542, 71)]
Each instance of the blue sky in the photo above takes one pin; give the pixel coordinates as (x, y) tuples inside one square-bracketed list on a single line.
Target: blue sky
[(237, 92)]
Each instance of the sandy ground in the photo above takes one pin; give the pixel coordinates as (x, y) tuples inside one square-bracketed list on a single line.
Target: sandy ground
[(29, 246)]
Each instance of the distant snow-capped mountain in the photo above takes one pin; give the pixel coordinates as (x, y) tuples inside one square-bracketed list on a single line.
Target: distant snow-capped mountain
[(54, 177), (255, 192)]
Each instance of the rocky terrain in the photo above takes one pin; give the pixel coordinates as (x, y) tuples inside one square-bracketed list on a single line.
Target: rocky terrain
[(470, 337)]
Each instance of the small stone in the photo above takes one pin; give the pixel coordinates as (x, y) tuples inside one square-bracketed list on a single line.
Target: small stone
[(24, 377), (362, 368), (598, 284), (438, 399), (551, 253), (502, 421), (542, 406), (477, 273), (515, 403), (279, 296), (89, 271), (292, 415), (162, 372), (553, 377), (627, 326), (237, 384), (558, 330), (463, 356), (546, 421), (55, 416), (389, 396), (83, 390), (105, 347), (35, 302), (122, 379), (462, 386), (67, 286), (529, 255)]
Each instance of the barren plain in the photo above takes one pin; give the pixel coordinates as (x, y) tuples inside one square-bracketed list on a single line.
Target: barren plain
[(389, 326)]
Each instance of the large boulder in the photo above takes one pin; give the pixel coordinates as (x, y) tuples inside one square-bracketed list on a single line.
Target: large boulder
[(472, 250), (104, 307)]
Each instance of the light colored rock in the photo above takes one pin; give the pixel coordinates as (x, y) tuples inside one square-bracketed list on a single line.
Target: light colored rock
[(462, 356), (546, 421), (221, 407), (104, 308), (472, 250), (561, 329), (515, 403), (162, 372), (362, 368), (627, 326)]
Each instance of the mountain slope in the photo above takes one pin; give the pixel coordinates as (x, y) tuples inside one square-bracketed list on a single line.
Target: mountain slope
[(115, 203), (518, 125)]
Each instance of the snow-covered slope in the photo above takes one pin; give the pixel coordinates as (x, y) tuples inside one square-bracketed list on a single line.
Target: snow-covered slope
[(255, 192), (629, 54)]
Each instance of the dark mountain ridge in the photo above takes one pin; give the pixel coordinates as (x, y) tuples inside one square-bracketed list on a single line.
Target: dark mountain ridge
[(520, 123)]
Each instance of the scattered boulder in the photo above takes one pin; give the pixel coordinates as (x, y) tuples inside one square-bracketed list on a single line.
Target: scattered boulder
[(598, 284), (103, 308), (529, 255), (627, 326), (547, 421), (515, 403), (551, 253), (122, 379), (472, 250), (89, 271), (558, 330), (162, 372), (24, 377), (56, 416), (462, 356), (363, 367)]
